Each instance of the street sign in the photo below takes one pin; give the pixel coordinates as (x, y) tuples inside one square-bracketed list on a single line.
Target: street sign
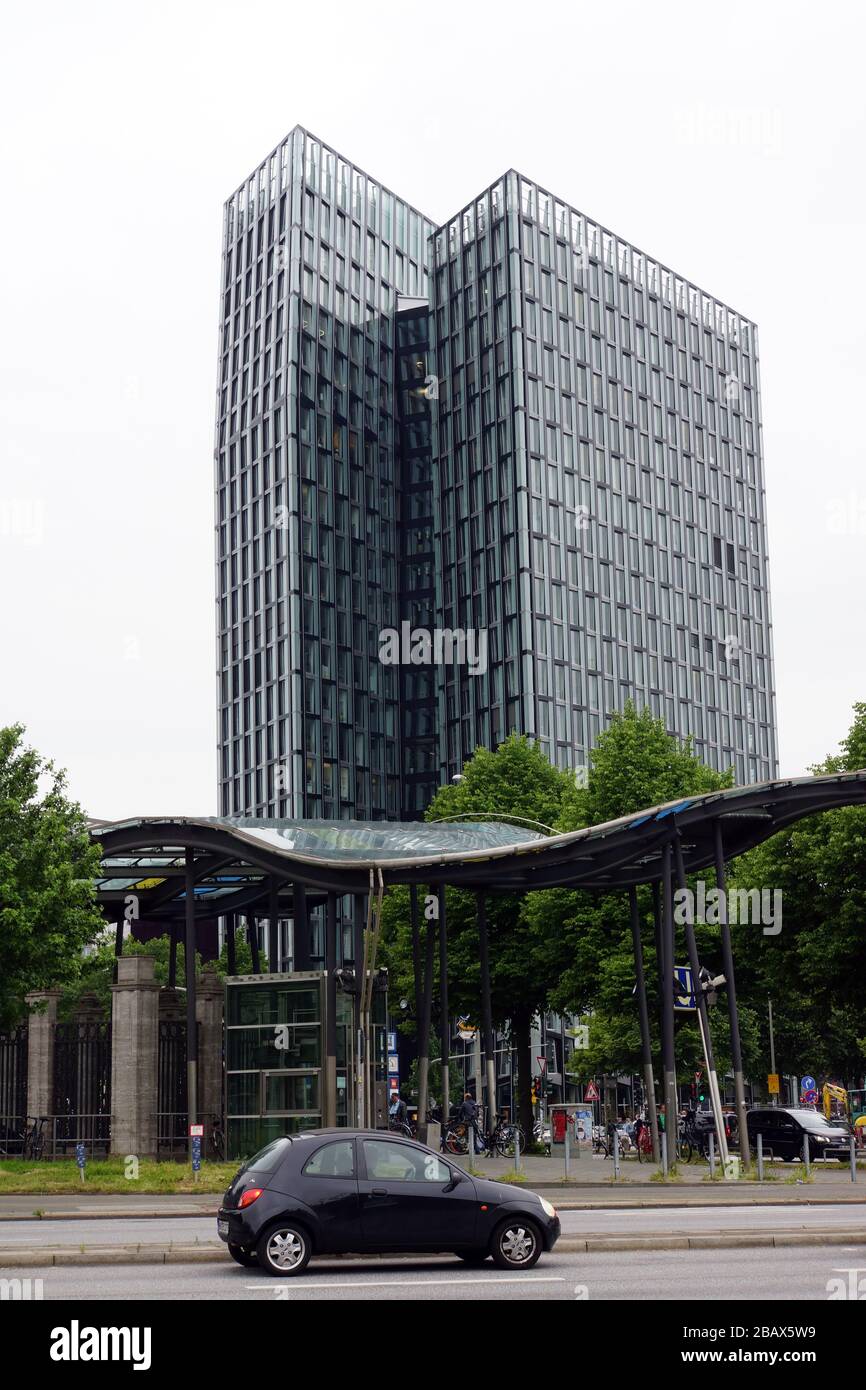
[(196, 1131), (810, 1097), (196, 1153), (542, 1064), (591, 1092), (465, 1030), (392, 1042), (807, 1083), (773, 1083), (80, 1155), (684, 989), (393, 1064)]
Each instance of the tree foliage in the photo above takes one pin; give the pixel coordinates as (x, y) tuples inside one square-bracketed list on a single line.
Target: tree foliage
[(48, 865)]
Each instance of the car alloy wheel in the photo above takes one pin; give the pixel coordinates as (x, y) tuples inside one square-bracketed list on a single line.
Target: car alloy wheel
[(516, 1244), (284, 1249)]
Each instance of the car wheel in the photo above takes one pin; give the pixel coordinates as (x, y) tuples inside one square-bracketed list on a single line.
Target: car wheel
[(473, 1257), (242, 1255), (516, 1244), (284, 1248)]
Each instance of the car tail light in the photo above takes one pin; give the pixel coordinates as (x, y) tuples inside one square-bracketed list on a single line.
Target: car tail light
[(251, 1195)]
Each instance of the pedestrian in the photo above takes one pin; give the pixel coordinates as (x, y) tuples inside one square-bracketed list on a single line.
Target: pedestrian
[(468, 1115)]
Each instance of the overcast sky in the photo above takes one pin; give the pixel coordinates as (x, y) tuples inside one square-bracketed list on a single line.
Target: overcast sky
[(726, 140)]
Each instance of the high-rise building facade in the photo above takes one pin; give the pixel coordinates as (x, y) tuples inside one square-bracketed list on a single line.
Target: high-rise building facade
[(514, 433)]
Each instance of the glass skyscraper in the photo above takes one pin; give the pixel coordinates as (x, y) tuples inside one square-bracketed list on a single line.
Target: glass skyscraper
[(501, 474)]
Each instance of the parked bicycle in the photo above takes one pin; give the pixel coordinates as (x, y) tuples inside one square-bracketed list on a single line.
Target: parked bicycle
[(218, 1139), (33, 1139), (501, 1140), (398, 1126)]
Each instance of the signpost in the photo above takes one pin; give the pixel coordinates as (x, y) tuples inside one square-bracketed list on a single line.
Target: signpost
[(196, 1153), (80, 1159)]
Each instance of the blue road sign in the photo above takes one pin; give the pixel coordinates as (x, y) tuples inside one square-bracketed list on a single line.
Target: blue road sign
[(196, 1154), (807, 1083), (684, 989), (810, 1097), (80, 1155)]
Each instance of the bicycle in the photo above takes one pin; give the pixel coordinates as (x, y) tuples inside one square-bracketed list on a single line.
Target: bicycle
[(218, 1139), (33, 1139), (500, 1140), (397, 1126)]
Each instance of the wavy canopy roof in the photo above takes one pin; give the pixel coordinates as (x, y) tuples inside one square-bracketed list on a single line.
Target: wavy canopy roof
[(237, 857)]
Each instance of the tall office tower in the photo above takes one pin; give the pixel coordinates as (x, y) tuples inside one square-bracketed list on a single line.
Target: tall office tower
[(307, 486), (555, 459), (597, 450)]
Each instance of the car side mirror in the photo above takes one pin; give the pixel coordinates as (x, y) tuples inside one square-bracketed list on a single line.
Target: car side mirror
[(456, 1178)]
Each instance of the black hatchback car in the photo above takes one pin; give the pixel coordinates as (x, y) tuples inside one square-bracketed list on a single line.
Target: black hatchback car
[(335, 1191), (783, 1131)]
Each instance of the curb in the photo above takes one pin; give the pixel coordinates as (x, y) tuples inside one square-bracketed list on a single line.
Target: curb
[(566, 1245)]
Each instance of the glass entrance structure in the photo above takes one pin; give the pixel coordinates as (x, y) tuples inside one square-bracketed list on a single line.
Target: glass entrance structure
[(291, 1057)]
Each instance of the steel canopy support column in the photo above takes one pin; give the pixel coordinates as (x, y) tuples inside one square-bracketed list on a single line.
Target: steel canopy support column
[(301, 928), (669, 1065), (703, 1015), (231, 958), (643, 1011), (330, 1109), (486, 1010), (733, 1013), (189, 963), (445, 1021), (424, 1023), (274, 925), (416, 953), (253, 939), (173, 933)]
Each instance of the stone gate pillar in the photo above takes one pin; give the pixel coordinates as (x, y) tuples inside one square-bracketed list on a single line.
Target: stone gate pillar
[(40, 1050), (134, 1057)]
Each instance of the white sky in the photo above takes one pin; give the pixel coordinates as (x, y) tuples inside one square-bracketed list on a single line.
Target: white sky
[(726, 140)]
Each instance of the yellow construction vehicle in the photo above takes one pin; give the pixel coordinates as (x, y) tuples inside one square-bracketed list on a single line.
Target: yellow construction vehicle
[(835, 1102)]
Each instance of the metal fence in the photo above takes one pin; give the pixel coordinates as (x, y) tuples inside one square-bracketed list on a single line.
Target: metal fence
[(13, 1088), (82, 1087), (171, 1119)]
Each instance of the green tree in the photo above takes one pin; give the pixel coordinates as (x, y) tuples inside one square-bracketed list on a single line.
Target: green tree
[(515, 780), (813, 969), (583, 940), (48, 865)]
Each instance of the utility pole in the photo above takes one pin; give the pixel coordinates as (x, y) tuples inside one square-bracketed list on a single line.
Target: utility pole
[(772, 1045)]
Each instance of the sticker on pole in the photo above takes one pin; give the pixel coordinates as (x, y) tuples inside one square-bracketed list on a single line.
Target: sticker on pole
[(196, 1131)]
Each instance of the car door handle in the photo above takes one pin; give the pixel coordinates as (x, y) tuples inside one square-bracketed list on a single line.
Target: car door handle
[(379, 1192)]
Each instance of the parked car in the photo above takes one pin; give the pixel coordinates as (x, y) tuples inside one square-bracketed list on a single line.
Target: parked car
[(783, 1130), (334, 1191)]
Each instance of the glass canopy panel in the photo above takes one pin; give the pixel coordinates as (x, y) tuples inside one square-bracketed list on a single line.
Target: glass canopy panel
[(349, 841)]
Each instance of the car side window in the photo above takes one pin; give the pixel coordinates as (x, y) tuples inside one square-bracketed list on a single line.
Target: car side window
[(389, 1162), (333, 1161)]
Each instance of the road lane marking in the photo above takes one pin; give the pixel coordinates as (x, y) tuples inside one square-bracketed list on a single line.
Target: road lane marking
[(404, 1283)]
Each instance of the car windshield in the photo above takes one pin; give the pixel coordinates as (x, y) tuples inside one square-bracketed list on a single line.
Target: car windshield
[(267, 1159), (810, 1120)]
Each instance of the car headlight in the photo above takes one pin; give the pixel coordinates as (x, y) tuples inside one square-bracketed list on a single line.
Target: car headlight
[(548, 1208)]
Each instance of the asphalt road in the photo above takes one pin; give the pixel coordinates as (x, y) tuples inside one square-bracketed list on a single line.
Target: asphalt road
[(635, 1221), (691, 1276)]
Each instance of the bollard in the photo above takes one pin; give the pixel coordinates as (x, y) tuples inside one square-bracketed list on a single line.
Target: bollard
[(615, 1152), (806, 1154), (760, 1142), (664, 1139), (712, 1154), (853, 1149), (567, 1147)]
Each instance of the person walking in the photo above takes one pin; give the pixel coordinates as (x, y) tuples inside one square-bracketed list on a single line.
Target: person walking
[(468, 1115)]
